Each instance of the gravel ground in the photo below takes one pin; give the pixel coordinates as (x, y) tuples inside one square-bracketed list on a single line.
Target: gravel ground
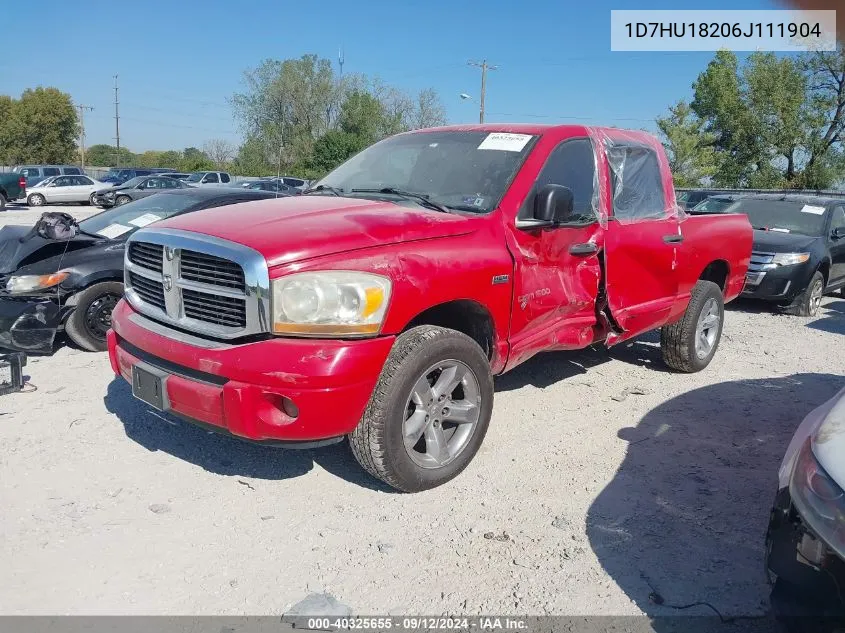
[(604, 479)]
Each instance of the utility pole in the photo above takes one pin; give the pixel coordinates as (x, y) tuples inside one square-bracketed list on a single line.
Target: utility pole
[(484, 66), (116, 123), (82, 109)]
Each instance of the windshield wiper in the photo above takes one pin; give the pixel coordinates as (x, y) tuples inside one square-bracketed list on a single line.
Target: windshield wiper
[(332, 190), (422, 198)]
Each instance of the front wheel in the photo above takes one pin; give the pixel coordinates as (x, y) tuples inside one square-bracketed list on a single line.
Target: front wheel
[(36, 200), (429, 411), (88, 323), (808, 302), (122, 200), (688, 345)]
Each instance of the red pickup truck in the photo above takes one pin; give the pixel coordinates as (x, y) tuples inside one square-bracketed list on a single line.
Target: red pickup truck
[(379, 305)]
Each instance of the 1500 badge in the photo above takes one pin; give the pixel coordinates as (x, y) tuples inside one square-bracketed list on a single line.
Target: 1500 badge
[(524, 299)]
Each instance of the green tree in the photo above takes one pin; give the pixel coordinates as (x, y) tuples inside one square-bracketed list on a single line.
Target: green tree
[(362, 116), (102, 155), (773, 121), (690, 149), (6, 104), (169, 159), (331, 149), (251, 159), (41, 127), (194, 159)]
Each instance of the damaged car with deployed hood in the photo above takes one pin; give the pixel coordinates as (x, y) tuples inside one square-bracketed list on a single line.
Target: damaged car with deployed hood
[(805, 542), (64, 274)]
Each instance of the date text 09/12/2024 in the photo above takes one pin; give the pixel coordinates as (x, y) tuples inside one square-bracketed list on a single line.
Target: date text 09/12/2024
[(723, 29)]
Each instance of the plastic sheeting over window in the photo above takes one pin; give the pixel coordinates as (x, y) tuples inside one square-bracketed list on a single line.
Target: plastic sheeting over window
[(638, 185)]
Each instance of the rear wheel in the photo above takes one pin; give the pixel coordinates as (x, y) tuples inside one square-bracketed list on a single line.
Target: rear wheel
[(429, 411), (689, 344), (36, 200), (88, 323)]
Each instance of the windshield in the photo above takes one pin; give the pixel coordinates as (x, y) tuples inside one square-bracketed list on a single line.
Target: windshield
[(44, 183), (788, 216), (195, 177), (461, 170), (123, 220), (713, 205)]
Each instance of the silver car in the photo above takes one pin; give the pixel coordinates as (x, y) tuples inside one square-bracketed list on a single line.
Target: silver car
[(63, 189), (209, 179)]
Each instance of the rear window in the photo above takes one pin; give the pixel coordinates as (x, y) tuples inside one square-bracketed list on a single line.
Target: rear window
[(637, 183), (712, 205), (73, 171), (224, 177), (51, 171)]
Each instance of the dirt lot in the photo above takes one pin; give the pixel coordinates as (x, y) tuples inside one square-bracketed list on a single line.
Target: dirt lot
[(603, 479)]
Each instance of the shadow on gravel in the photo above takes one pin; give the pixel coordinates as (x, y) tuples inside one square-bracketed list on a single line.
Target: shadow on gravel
[(684, 519), (832, 318), (547, 368), (225, 455)]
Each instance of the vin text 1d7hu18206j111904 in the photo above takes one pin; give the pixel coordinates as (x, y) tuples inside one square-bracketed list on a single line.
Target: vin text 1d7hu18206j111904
[(379, 305)]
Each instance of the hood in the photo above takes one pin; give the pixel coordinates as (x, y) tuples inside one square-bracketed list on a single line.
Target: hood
[(14, 253), (829, 442), (777, 242), (295, 228)]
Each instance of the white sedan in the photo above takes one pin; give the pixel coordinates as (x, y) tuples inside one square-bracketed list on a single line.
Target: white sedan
[(63, 189)]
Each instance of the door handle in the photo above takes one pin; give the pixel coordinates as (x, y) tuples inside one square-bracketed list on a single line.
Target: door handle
[(675, 238), (581, 250)]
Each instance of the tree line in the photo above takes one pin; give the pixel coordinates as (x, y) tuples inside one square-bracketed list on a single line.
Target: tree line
[(770, 122)]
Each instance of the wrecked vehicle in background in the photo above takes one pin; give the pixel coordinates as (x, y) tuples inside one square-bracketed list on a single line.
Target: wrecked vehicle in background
[(380, 303), (60, 274), (805, 541)]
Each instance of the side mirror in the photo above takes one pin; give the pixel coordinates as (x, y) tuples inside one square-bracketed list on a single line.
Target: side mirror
[(838, 233), (57, 226), (553, 204)]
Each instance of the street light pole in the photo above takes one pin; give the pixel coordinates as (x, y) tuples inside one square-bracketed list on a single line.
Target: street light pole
[(484, 66)]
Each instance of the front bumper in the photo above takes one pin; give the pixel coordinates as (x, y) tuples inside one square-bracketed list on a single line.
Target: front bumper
[(29, 324), (796, 555), (782, 284), (104, 201), (241, 389)]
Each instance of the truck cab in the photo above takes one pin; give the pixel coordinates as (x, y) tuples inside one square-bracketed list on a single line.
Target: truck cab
[(379, 305)]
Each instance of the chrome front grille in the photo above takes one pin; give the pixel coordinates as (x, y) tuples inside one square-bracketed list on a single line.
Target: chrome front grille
[(198, 282), (760, 264)]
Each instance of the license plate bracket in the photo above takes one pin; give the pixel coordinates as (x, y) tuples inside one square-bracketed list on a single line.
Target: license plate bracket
[(149, 384)]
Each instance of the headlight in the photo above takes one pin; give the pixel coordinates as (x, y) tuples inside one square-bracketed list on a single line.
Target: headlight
[(788, 259), (819, 500), (330, 303), (28, 283)]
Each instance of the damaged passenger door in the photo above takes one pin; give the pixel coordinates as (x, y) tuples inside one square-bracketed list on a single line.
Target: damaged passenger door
[(556, 267), (641, 242)]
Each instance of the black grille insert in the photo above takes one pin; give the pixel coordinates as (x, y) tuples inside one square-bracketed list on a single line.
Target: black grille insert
[(209, 269), (149, 290), (146, 255), (225, 311)]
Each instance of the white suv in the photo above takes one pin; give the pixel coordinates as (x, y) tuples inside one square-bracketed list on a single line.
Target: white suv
[(209, 179)]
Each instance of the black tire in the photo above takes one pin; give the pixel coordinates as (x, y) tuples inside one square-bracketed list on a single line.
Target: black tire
[(80, 325), (36, 200), (808, 302), (91, 200), (121, 200), (678, 340), (2, 202), (377, 441)]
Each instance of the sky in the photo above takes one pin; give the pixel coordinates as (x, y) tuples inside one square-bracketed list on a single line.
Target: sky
[(178, 63)]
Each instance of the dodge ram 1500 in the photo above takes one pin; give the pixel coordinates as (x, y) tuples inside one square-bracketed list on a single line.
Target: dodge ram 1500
[(379, 305)]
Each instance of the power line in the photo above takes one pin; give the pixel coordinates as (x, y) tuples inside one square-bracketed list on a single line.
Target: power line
[(116, 123), (82, 109), (484, 66)]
